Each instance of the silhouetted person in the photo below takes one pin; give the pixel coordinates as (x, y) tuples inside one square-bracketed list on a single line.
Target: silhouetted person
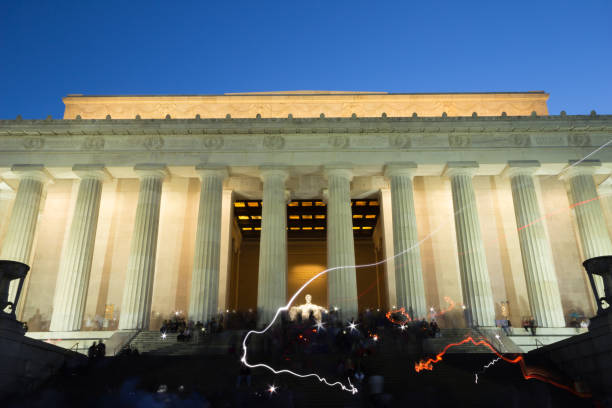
[(101, 350), (92, 351)]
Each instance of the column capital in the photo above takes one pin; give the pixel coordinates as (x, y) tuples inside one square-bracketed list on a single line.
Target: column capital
[(340, 170), (94, 171), (400, 169), (214, 170), (460, 168), (270, 170), (32, 171), (580, 168), (521, 167), (151, 170)]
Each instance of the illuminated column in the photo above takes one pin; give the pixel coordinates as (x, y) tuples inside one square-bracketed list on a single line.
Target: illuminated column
[(7, 195), (342, 281), (272, 281), (408, 273), (605, 192), (20, 233), (75, 266), (475, 283), (203, 302), (542, 286), (589, 216), (137, 292)]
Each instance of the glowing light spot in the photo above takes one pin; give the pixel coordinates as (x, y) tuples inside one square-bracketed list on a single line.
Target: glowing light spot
[(163, 336), (272, 389), (253, 204), (239, 204), (352, 326)]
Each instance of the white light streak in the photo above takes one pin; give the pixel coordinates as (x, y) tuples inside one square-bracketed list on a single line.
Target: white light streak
[(352, 326), (350, 387), (489, 364), (163, 336)]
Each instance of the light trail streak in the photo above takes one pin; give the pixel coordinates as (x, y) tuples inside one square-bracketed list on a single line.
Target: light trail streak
[(528, 372), (351, 388), (402, 311), (495, 360)]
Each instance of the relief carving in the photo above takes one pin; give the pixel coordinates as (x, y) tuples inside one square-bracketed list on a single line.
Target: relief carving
[(33, 143), (579, 140), (339, 141), (273, 142), (459, 141), (399, 141), (93, 143), (213, 142), (520, 140), (154, 142)]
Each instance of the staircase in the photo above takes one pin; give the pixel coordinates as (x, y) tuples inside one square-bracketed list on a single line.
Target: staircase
[(437, 344), (152, 342), (544, 336)]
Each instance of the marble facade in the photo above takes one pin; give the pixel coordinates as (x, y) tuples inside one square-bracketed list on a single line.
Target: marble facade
[(104, 203)]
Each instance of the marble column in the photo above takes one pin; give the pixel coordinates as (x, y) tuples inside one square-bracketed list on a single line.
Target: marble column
[(538, 265), (203, 302), (272, 279), (605, 192), (475, 283), (21, 230), (7, 195), (591, 223), (342, 280), (408, 271), (138, 289), (75, 265)]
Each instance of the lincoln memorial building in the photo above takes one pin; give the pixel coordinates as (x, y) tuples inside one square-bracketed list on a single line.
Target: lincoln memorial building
[(134, 208)]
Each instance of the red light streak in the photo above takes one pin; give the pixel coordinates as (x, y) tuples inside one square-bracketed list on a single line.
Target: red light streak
[(550, 214), (402, 311), (529, 373)]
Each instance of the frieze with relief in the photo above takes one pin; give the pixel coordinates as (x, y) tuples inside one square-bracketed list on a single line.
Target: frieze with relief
[(273, 142), (578, 140), (154, 142), (33, 143), (93, 143)]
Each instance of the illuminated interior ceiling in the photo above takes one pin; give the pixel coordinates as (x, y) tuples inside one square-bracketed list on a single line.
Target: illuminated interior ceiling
[(306, 219)]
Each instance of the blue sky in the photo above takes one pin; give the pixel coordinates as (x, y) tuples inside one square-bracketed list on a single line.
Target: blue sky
[(49, 49)]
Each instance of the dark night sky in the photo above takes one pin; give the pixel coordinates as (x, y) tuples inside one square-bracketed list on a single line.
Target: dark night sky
[(52, 48)]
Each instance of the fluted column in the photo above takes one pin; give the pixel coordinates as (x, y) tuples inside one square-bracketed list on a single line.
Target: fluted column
[(203, 302), (592, 228), (75, 265), (475, 283), (341, 282), (7, 195), (538, 265), (20, 233), (138, 290), (408, 271), (272, 280)]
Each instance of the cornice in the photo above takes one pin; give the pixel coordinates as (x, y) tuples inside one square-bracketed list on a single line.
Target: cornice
[(470, 124), (192, 141)]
